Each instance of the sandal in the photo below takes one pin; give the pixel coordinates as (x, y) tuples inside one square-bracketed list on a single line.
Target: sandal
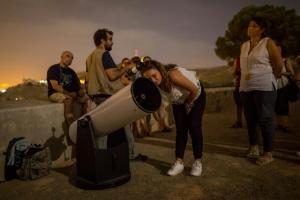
[(166, 129), (253, 154), (264, 160), (237, 125), (286, 130)]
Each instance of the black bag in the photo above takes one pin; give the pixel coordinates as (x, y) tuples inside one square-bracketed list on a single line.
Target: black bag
[(36, 163), (14, 157), (25, 160), (292, 90)]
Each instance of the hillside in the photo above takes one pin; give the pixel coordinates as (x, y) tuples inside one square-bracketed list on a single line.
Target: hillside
[(216, 77), (25, 92), (221, 76), (210, 77)]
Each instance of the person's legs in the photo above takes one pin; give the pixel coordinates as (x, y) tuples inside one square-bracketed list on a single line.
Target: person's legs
[(239, 113), (282, 123), (195, 129), (282, 110), (265, 102), (195, 125), (133, 155), (148, 123), (138, 127), (285, 124), (181, 121), (163, 115), (101, 141), (68, 105), (57, 97), (252, 122), (68, 102), (85, 100), (162, 119), (239, 109), (144, 126), (135, 130), (180, 117), (68, 109), (130, 140)]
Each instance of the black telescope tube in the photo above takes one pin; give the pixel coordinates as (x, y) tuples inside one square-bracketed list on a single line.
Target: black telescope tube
[(146, 95)]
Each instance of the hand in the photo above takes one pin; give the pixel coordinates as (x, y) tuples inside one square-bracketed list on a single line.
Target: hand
[(125, 79), (81, 93), (286, 74), (188, 107), (73, 95)]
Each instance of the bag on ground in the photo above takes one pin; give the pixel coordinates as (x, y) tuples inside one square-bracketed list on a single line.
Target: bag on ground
[(25, 160)]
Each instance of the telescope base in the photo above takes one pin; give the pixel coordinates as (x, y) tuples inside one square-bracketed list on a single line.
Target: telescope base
[(101, 168), (86, 184)]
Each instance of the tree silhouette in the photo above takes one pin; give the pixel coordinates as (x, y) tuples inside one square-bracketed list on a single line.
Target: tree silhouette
[(283, 27)]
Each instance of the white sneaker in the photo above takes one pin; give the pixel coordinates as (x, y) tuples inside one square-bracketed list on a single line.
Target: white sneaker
[(176, 169), (196, 168)]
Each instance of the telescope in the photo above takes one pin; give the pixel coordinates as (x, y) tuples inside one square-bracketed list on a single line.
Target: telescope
[(102, 167)]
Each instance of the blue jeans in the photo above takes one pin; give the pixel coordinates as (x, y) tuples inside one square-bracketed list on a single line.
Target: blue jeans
[(259, 112), (130, 140)]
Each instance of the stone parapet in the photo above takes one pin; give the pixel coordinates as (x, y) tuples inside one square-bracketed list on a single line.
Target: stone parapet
[(39, 121)]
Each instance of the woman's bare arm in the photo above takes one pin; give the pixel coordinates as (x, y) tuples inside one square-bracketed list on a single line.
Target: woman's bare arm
[(181, 81), (275, 58)]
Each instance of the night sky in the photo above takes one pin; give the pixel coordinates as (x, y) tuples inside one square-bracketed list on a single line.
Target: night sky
[(33, 33)]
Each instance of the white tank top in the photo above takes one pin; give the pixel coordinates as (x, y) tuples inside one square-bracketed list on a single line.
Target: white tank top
[(257, 64), (178, 95)]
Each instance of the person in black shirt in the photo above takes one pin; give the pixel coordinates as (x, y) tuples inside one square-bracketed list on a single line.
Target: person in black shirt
[(64, 86)]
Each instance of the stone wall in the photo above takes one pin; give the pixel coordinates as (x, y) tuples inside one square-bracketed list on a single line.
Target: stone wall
[(40, 122), (43, 122)]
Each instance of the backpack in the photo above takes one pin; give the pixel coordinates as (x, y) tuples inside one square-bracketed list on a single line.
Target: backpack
[(292, 90), (25, 160), (36, 163)]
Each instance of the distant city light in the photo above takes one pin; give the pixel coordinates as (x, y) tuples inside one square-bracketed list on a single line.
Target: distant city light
[(19, 98), (43, 81), (3, 90)]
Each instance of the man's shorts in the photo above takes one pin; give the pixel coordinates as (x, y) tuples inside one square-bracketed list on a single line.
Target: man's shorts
[(59, 98)]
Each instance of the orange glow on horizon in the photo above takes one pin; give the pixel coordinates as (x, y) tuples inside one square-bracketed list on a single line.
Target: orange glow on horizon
[(4, 86)]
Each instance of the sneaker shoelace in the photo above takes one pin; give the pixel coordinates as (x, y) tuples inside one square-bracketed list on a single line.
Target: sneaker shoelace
[(175, 164), (197, 164)]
